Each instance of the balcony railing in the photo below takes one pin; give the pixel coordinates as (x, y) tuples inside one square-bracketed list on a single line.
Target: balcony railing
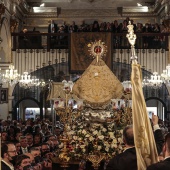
[(36, 40)]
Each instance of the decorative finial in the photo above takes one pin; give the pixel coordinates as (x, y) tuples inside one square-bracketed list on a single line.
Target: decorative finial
[(97, 49), (132, 39)]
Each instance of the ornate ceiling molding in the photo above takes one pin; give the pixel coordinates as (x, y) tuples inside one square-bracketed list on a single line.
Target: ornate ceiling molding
[(88, 13)]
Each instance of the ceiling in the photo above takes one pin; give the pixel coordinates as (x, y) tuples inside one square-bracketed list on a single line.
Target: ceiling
[(89, 4)]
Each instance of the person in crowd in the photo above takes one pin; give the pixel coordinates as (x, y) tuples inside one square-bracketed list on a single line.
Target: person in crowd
[(147, 39), (23, 162), (37, 140), (24, 144), (165, 164), (65, 26), (24, 41), (35, 151), (52, 27), (82, 27), (18, 135), (73, 27), (95, 27), (45, 147), (11, 133), (55, 141), (115, 27), (4, 137), (127, 160), (102, 27), (57, 131), (18, 147), (29, 138), (108, 27), (8, 153)]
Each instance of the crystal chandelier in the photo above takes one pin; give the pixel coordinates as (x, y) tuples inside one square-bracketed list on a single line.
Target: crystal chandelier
[(11, 76), (166, 75), (154, 82), (26, 80)]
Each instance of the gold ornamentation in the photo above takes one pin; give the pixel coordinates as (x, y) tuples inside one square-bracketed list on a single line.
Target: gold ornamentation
[(96, 159), (98, 84), (97, 49), (132, 39)]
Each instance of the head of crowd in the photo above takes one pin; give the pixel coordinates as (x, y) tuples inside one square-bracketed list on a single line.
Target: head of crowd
[(29, 144)]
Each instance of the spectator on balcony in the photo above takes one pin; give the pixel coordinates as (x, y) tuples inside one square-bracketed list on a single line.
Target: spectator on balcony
[(82, 27), (102, 26), (134, 25), (147, 39), (123, 40), (24, 42), (156, 39), (139, 40), (65, 27), (108, 27), (73, 27), (95, 27), (52, 27), (163, 29), (61, 38), (115, 27)]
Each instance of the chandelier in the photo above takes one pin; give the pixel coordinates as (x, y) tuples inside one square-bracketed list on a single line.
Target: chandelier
[(166, 75), (154, 81), (26, 80), (11, 76)]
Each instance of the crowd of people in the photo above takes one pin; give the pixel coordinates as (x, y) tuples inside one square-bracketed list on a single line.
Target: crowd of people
[(146, 41), (115, 27), (31, 145), (28, 145)]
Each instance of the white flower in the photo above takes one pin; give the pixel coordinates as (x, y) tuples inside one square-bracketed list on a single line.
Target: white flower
[(75, 137), (79, 139), (111, 134), (106, 149), (84, 150), (114, 140), (104, 129), (120, 140), (91, 138), (113, 145), (95, 132), (84, 132), (101, 137), (87, 135)]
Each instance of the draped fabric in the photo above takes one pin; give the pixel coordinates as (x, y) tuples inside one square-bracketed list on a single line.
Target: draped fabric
[(98, 85), (80, 56), (143, 134)]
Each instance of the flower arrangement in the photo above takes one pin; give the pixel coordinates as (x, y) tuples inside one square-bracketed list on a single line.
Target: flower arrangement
[(86, 139)]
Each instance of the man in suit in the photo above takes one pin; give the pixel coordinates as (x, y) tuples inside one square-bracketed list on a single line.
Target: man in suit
[(24, 144), (127, 160), (8, 152), (165, 164), (52, 28)]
